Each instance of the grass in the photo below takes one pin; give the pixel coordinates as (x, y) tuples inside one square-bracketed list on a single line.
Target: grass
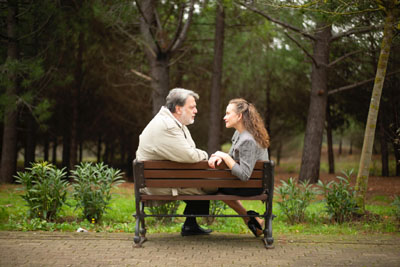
[(13, 216)]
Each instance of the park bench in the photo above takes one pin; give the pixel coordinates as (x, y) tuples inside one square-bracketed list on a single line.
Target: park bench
[(179, 175)]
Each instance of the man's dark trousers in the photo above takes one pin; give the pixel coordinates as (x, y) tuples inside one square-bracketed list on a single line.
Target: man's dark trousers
[(195, 207)]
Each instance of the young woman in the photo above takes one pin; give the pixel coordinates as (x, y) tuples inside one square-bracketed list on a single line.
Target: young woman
[(249, 144)]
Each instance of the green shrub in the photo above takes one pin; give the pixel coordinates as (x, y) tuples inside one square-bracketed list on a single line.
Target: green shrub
[(92, 188), (295, 198), (46, 190), (169, 208), (396, 204), (340, 198), (216, 208)]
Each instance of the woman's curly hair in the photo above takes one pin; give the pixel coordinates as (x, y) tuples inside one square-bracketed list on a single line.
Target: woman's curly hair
[(252, 121)]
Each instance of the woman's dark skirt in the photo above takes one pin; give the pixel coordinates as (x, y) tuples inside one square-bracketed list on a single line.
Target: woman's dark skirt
[(243, 192)]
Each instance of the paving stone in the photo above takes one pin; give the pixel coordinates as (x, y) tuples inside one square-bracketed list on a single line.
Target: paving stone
[(109, 249)]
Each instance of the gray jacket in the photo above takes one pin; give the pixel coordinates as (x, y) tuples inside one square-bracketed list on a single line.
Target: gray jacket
[(246, 151)]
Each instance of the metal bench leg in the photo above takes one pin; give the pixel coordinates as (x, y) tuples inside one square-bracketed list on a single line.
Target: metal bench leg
[(268, 239), (137, 238), (143, 228)]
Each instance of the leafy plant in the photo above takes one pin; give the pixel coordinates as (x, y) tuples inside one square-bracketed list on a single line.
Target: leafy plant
[(340, 198), (396, 204), (46, 189), (295, 198), (167, 208), (92, 188), (216, 208)]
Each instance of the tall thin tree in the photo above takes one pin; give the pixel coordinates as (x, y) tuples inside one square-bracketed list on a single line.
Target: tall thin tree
[(392, 11), (158, 47), (9, 147), (215, 95)]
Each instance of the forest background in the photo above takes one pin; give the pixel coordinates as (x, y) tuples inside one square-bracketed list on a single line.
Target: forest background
[(79, 80)]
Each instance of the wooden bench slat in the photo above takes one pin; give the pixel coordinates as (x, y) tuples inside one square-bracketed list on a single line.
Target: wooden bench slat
[(162, 164), (194, 174), (201, 183), (204, 197)]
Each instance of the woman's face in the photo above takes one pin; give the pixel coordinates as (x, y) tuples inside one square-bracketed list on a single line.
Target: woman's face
[(231, 118)]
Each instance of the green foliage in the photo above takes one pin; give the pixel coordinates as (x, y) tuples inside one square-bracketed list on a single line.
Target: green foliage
[(340, 198), (216, 207), (295, 198), (46, 190), (92, 188), (167, 208), (396, 204), (120, 219)]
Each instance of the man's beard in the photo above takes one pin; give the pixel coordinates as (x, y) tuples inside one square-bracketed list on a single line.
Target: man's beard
[(186, 118)]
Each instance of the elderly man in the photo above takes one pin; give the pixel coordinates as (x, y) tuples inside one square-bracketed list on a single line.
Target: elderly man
[(166, 137)]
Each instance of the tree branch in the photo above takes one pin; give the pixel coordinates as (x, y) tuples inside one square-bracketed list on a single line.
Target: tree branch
[(281, 23), (185, 29), (302, 48), (145, 27), (141, 75), (354, 85), (178, 28), (354, 31), (38, 30), (343, 57)]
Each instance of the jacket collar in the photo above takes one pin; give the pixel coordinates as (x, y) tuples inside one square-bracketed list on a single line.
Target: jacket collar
[(166, 112)]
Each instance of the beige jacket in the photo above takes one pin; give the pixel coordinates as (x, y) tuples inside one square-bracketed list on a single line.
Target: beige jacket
[(165, 138)]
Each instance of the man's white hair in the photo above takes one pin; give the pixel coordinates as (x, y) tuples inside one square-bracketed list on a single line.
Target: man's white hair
[(177, 97)]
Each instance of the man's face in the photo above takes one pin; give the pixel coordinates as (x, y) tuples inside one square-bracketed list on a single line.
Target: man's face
[(187, 113)]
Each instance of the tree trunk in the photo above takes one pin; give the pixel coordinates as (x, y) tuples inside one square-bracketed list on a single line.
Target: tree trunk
[(30, 146), (384, 144), (366, 153), (310, 163), (46, 147), (278, 154), (331, 156), (351, 147), (158, 61), (214, 128), (66, 149), (80, 150), (396, 148), (9, 147), (54, 152), (159, 79), (75, 105), (99, 144), (340, 145), (267, 116), (158, 49)]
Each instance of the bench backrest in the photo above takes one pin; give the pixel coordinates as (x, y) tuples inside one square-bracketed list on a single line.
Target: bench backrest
[(174, 174)]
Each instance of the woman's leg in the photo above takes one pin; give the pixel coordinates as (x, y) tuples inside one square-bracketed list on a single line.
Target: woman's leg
[(237, 206)]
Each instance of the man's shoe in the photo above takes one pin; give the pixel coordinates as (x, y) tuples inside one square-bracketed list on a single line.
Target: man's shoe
[(194, 230)]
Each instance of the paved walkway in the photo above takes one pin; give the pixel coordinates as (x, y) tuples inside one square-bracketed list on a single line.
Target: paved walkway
[(111, 249)]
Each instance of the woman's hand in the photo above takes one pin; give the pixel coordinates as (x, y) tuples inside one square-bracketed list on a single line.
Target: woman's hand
[(221, 155), (214, 159), (225, 157)]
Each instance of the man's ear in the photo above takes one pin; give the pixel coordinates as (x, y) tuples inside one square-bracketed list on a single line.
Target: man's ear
[(178, 110)]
